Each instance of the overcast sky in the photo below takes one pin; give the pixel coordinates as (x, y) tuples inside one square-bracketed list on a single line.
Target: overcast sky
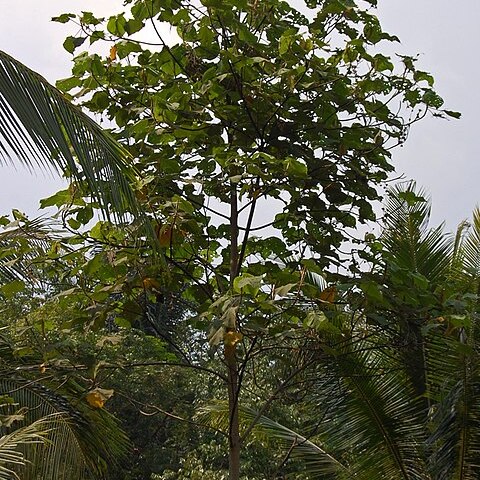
[(441, 155)]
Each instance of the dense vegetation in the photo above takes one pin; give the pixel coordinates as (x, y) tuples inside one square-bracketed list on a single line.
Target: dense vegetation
[(197, 307)]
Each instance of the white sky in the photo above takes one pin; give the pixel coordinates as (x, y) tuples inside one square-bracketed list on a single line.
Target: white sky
[(441, 155)]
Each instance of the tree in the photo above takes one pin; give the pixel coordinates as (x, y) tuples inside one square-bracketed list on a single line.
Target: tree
[(254, 105)]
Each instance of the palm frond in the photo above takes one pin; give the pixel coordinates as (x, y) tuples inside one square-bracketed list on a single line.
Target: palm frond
[(406, 236), (375, 421), (453, 375), (12, 445), (22, 244), (317, 461), (470, 251), (40, 127), (78, 446)]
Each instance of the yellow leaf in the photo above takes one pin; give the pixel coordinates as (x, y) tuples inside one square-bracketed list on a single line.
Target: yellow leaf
[(151, 284), (97, 397), (328, 295), (232, 338), (113, 53)]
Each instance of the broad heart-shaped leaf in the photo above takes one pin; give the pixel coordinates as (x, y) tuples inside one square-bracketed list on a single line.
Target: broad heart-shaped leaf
[(247, 284), (38, 126)]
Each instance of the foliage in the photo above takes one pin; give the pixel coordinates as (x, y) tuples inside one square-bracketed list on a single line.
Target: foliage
[(11, 457), (253, 104), (253, 99), (43, 387), (387, 405), (40, 127), (258, 136)]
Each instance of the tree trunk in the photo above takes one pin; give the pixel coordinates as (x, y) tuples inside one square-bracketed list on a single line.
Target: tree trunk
[(230, 357), (234, 427)]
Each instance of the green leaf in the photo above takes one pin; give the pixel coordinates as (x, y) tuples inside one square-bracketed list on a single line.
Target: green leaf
[(432, 99), (420, 76), (373, 32), (117, 25), (58, 199), (285, 42), (284, 289), (206, 36), (67, 84), (100, 100), (248, 284), (84, 215), (124, 48), (296, 168), (64, 18), (122, 322), (382, 63), (372, 291), (96, 35), (88, 18), (12, 288), (452, 114), (319, 321), (18, 215), (71, 43), (133, 26), (74, 224)]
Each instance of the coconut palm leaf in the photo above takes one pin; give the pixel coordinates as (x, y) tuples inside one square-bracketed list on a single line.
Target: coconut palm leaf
[(22, 244), (376, 420), (469, 250), (371, 424), (407, 238), (453, 373), (83, 441), (40, 127), (319, 463), (12, 446)]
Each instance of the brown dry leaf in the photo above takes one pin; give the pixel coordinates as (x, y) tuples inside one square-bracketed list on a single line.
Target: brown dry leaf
[(165, 237)]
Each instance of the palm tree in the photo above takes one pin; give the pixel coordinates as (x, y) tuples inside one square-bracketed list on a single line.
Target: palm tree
[(82, 442)]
